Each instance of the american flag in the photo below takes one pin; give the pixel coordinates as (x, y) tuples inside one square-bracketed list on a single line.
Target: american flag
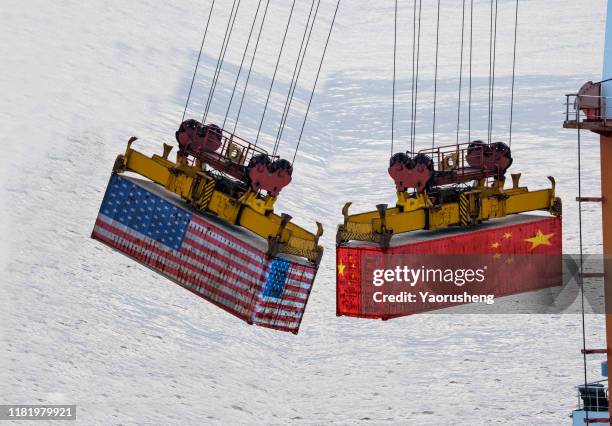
[(202, 257)]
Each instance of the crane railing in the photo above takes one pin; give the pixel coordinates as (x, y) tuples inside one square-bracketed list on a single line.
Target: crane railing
[(586, 110)]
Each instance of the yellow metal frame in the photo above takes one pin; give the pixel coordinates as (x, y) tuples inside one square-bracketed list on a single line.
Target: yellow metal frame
[(250, 211), (417, 211)]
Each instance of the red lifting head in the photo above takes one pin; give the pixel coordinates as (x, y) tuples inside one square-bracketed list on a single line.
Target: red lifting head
[(196, 140), (411, 173), (263, 174)]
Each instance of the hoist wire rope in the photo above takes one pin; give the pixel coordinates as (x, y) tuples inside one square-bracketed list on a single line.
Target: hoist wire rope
[(470, 71), (493, 71), (413, 69), (248, 77), (221, 58), (244, 54), (460, 71), (280, 54), (297, 70), (492, 59), (490, 73), (394, 78), (516, 10), (331, 27), (416, 82), (435, 95), (581, 262), (195, 71)]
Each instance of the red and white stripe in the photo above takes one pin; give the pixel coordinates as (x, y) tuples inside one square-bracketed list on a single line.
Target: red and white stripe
[(286, 313), (218, 267)]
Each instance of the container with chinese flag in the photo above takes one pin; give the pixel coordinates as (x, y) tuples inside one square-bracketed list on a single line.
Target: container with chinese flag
[(429, 270)]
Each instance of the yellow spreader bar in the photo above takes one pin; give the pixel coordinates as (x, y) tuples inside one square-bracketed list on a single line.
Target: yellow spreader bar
[(413, 213), (200, 189)]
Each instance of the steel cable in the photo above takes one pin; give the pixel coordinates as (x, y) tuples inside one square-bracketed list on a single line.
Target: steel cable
[(394, 78), (580, 276), (414, 13), (416, 82), (513, 73), (470, 82), (460, 72), (248, 78), (435, 96), (296, 73), (331, 27), (280, 54), (246, 49), (195, 71), (492, 59), (226, 39)]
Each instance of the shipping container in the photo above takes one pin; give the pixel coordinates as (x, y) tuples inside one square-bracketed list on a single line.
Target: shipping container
[(516, 254), (228, 266)]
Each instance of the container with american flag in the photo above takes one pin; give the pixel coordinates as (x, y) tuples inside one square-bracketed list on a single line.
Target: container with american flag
[(225, 265)]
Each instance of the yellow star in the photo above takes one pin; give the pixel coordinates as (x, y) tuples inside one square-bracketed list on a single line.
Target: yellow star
[(540, 239), (508, 235), (341, 267), (510, 260), (495, 245), (496, 256)]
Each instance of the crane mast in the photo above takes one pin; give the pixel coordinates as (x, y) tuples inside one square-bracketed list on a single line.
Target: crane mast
[(589, 110)]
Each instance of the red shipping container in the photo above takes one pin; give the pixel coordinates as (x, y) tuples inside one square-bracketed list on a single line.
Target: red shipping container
[(517, 254), (225, 265)]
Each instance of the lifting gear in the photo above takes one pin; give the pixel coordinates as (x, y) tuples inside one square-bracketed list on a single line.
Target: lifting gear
[(433, 193), (217, 172), (457, 185)]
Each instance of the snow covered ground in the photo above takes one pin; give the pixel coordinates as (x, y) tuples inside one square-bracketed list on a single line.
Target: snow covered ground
[(84, 325)]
